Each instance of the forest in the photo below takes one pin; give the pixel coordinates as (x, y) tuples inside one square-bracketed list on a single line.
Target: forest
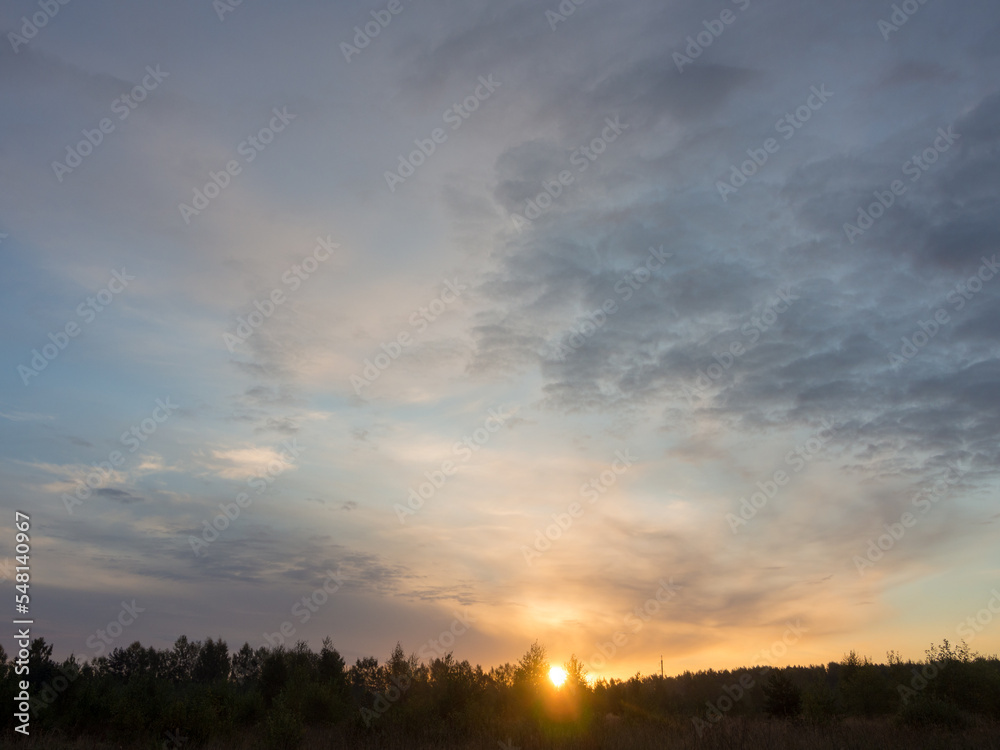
[(199, 694)]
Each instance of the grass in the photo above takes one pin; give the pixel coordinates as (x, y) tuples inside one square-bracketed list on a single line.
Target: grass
[(623, 734)]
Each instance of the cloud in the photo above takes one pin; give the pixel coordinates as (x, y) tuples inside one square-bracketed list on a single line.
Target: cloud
[(119, 496), (21, 417), (686, 361), (242, 462)]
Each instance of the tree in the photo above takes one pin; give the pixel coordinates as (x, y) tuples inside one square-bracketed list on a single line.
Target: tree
[(367, 676), (181, 661), (576, 672), (947, 653), (503, 676), (301, 661), (273, 675), (212, 664), (133, 662), (331, 664), (782, 698), (533, 669), (246, 664), (864, 687), (40, 664), (399, 664), (851, 664)]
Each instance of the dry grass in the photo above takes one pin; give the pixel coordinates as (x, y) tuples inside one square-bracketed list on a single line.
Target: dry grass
[(731, 734)]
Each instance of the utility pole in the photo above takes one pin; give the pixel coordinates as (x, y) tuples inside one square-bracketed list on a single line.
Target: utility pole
[(661, 666)]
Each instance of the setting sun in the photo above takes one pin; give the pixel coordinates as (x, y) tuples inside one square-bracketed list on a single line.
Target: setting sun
[(557, 675)]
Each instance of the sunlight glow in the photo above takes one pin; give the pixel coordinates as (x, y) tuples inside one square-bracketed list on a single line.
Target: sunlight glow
[(557, 675)]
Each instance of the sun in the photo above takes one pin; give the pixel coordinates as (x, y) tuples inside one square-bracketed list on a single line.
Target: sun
[(557, 675)]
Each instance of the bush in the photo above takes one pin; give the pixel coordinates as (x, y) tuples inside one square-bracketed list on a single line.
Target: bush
[(820, 703), (782, 698), (924, 712), (283, 729), (248, 708)]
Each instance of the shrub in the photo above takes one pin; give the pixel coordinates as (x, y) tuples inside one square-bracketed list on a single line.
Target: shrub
[(924, 712), (284, 729), (820, 703), (782, 698)]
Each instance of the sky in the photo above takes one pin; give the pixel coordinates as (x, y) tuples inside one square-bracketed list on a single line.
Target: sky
[(641, 329)]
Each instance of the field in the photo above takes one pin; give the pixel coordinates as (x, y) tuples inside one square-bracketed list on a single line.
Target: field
[(621, 734)]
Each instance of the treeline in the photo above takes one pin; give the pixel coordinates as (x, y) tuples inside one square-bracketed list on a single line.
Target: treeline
[(198, 691)]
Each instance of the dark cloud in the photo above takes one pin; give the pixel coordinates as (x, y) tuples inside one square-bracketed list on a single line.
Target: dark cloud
[(119, 496)]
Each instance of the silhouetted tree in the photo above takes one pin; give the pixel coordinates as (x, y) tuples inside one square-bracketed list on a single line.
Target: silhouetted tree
[(246, 664), (302, 662), (399, 664), (181, 661), (576, 672), (503, 676), (273, 675), (134, 662), (864, 687), (331, 664), (212, 664), (366, 677), (782, 698), (40, 664), (533, 669)]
